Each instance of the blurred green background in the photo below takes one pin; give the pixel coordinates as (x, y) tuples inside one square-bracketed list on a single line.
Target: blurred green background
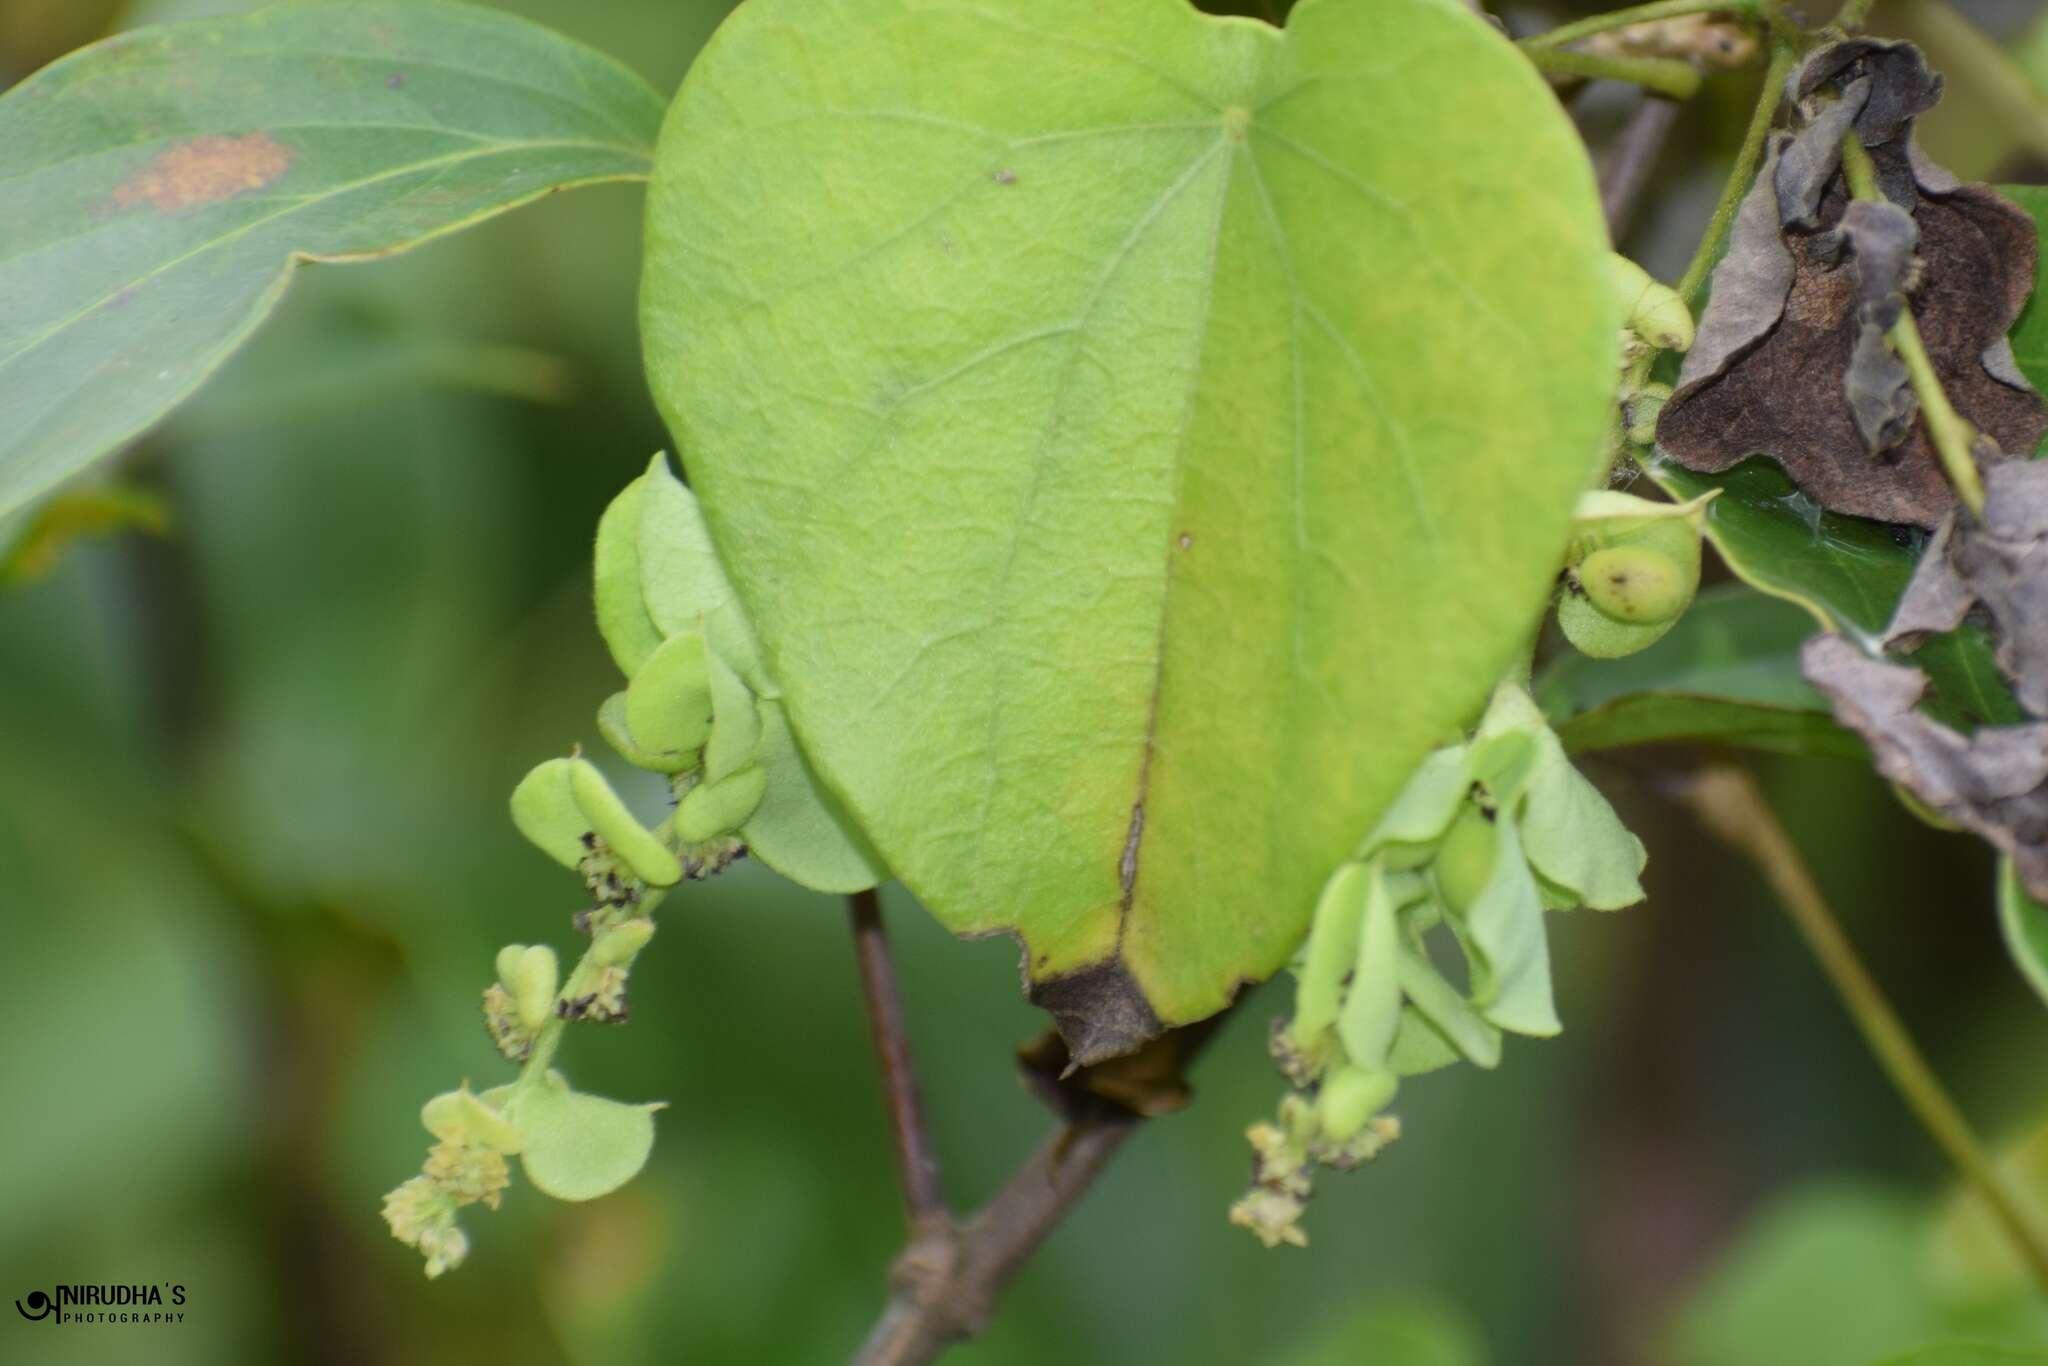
[(254, 863)]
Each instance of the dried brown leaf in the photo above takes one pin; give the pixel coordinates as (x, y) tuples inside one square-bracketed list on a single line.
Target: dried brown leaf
[(1784, 367), (1994, 782), (2000, 564)]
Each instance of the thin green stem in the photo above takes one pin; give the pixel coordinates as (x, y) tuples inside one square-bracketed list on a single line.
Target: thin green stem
[(1747, 159), (1634, 14), (1953, 436), (1851, 17), (1955, 440), (580, 979), (1666, 75), (1728, 803)]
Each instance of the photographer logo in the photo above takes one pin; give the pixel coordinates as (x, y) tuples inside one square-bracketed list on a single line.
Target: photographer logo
[(139, 1303)]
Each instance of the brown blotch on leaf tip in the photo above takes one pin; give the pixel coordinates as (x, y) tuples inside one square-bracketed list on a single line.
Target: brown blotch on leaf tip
[(1100, 1011), (205, 170)]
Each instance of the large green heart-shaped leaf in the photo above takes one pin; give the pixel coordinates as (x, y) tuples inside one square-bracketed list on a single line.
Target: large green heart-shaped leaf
[(1137, 437), (156, 189)]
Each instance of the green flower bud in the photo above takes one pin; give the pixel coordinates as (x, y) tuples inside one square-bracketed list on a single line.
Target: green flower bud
[(1652, 311), (1327, 957), (533, 977), (1643, 408), (459, 1117), (1350, 1098), (633, 842), (508, 962), (1465, 859), (1635, 584), (617, 945), (714, 809), (1371, 1014), (545, 810), (668, 703), (511, 1037)]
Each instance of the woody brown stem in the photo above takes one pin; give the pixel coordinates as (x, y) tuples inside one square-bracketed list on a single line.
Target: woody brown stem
[(917, 1163)]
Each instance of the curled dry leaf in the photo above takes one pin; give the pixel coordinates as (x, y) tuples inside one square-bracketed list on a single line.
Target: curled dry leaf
[(1999, 564), (1791, 361), (1879, 240), (1994, 782)]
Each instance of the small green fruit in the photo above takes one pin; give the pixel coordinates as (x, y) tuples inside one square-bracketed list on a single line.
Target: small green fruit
[(714, 809), (1643, 408), (1350, 1098), (1635, 584), (1653, 311), (1465, 859), (633, 842)]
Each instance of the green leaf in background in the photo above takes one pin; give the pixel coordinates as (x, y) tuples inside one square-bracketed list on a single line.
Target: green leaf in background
[(1846, 571), (2030, 333), (1970, 1255), (1728, 673), (1399, 1333), (1839, 1274), (2025, 922), (157, 188), (1133, 448), (2030, 55), (1849, 572), (1964, 1354)]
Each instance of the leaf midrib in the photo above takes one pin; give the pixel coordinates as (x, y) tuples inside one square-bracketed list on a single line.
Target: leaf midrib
[(1128, 858)]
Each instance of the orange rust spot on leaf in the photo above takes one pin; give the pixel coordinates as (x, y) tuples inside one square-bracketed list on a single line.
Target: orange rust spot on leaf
[(205, 171)]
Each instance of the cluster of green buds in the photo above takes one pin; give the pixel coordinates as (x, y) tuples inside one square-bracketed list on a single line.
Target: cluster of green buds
[(1654, 318), (698, 710), (699, 707), (571, 1145), (1487, 836), (465, 1167), (1631, 569)]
